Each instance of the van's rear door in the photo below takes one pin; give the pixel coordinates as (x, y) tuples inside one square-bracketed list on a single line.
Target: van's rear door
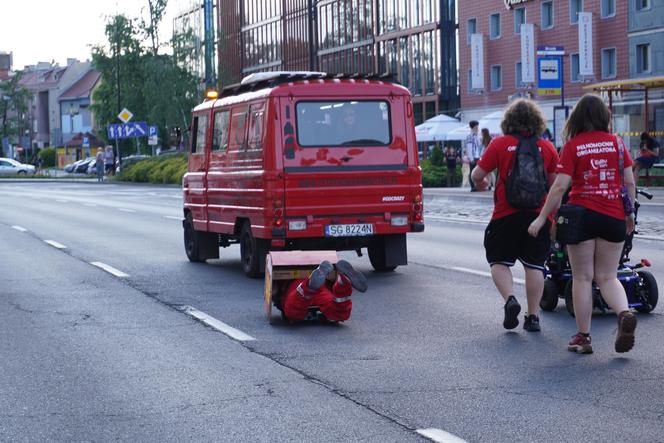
[(346, 162)]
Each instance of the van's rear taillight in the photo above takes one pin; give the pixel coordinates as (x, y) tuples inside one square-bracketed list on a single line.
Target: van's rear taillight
[(418, 208), (278, 213)]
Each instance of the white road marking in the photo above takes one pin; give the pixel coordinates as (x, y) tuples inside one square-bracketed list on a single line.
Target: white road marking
[(126, 210), (109, 269), (217, 324), (518, 281), (55, 244), (90, 205), (61, 201), (172, 217), (455, 220), (19, 228), (439, 436)]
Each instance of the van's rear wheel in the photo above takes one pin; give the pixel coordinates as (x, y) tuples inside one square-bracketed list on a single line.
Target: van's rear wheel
[(252, 251), (192, 240), (377, 256)]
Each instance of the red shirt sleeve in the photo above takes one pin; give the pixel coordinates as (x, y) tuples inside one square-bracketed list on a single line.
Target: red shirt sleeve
[(566, 164), (489, 160)]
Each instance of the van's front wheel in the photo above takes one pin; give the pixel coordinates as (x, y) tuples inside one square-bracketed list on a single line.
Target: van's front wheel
[(252, 251)]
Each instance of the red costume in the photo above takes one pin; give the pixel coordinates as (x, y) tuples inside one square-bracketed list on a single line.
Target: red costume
[(333, 301)]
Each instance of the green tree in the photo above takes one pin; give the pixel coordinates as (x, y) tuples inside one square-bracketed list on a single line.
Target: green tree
[(13, 97)]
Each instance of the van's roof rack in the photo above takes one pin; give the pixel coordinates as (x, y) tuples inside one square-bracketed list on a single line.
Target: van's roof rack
[(262, 80)]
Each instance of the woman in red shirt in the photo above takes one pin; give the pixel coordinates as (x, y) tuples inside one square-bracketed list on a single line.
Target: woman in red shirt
[(590, 164)]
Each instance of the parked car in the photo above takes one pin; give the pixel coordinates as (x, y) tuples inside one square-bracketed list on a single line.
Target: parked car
[(9, 166), (130, 160), (71, 166), (82, 167)]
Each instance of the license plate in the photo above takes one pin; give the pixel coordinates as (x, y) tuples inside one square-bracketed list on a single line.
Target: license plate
[(353, 230)]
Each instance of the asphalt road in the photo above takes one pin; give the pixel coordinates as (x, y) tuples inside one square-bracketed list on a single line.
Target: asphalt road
[(87, 355)]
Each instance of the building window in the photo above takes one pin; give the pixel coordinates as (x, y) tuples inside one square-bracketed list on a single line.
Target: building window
[(494, 26), (519, 19), (609, 63), (517, 75), (643, 58), (547, 15), (574, 67), (496, 77), (472, 28), (642, 5), (608, 8), (575, 6)]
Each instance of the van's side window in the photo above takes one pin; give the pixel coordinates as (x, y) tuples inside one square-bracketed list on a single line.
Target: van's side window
[(256, 112), (238, 133), (200, 125), (220, 131)]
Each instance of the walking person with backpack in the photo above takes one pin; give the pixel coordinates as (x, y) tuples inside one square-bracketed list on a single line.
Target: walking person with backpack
[(525, 167), (595, 163)]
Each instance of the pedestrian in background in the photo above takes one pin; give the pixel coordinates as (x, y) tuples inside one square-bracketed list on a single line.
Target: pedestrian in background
[(465, 171), (486, 139), (99, 164), (109, 160), (473, 148), (648, 154), (506, 238), (590, 164), (451, 158)]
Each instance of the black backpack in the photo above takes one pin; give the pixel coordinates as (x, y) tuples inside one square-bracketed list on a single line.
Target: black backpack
[(526, 184)]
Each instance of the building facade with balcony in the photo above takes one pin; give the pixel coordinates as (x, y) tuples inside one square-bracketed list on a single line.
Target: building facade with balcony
[(413, 39)]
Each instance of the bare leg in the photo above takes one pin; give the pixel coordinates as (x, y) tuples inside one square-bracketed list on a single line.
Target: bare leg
[(607, 256), (534, 289), (502, 278), (581, 258), (636, 167)]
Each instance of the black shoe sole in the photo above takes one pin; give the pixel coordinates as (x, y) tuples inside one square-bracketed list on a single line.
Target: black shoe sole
[(511, 315), (357, 279), (625, 338), (318, 275)]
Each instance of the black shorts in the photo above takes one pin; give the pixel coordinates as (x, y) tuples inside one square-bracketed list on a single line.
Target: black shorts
[(603, 226), (506, 239)]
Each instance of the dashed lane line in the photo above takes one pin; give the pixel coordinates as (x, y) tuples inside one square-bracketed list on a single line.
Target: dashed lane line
[(61, 201), (220, 326), (173, 217), (518, 281), (439, 436), (55, 244), (109, 269), (90, 205), (126, 210), (19, 228)]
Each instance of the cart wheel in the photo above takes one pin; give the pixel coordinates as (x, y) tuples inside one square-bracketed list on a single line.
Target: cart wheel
[(648, 293), (549, 300), (569, 302)]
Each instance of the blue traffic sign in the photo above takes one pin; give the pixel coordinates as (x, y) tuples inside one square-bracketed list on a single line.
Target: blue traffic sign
[(153, 130), (86, 142), (549, 75), (127, 130)]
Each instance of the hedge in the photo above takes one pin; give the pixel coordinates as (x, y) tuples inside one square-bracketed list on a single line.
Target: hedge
[(161, 169)]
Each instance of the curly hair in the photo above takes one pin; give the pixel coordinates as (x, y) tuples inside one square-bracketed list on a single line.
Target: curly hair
[(523, 117)]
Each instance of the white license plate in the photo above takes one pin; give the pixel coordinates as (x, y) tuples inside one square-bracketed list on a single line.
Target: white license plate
[(349, 230)]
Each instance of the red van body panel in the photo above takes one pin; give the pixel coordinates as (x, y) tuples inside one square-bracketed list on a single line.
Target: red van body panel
[(278, 168)]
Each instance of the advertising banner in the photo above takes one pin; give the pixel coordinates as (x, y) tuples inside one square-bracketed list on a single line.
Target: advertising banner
[(477, 61), (586, 43), (528, 53)]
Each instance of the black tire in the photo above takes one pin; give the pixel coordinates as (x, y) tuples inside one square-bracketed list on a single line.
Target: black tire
[(648, 292), (192, 241), (569, 301), (22, 173), (377, 256), (549, 300), (252, 252)]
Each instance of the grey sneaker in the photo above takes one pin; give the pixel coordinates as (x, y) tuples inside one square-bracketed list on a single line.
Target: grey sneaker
[(512, 309), (318, 275), (357, 279)]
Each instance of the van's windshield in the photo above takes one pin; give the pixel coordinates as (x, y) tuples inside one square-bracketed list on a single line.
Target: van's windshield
[(343, 123)]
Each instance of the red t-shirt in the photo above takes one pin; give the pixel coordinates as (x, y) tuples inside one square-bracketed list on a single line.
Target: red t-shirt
[(591, 159), (500, 154)]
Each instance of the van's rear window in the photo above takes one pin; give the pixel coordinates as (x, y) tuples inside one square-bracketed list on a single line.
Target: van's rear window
[(343, 123)]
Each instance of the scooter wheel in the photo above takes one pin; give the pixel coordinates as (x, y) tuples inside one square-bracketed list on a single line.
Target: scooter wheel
[(647, 292), (549, 300), (569, 301)]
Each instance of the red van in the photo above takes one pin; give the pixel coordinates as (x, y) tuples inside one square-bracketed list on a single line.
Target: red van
[(303, 161)]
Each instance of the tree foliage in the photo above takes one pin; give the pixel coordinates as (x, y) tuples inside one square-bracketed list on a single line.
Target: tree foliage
[(155, 87), (15, 98)]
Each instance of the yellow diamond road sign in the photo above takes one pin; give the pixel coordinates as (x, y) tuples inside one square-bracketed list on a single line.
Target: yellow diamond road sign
[(125, 115)]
